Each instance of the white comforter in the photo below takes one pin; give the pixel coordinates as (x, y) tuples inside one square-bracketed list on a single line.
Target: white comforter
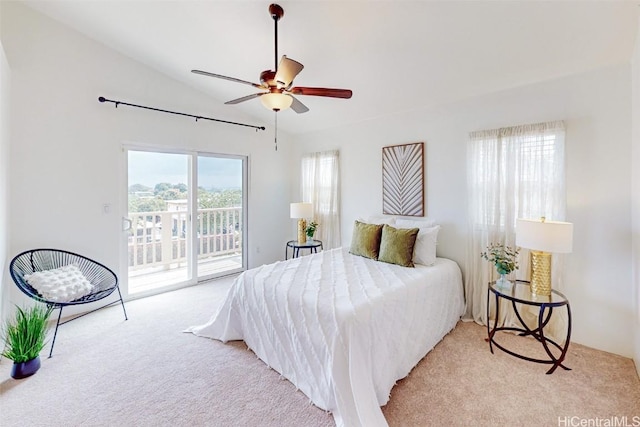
[(341, 328)]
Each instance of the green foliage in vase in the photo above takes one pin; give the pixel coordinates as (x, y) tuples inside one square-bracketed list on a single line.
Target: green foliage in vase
[(311, 229), (25, 335), (504, 258)]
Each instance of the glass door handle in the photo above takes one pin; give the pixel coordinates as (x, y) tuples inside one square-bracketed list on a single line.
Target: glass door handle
[(126, 224)]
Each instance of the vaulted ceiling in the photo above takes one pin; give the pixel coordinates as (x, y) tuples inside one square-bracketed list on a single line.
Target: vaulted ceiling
[(395, 55)]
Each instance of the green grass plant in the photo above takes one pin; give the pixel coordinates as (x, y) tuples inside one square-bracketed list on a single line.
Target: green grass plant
[(25, 335)]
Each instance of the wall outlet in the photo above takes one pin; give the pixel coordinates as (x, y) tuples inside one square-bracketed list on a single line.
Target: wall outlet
[(106, 208), (257, 249)]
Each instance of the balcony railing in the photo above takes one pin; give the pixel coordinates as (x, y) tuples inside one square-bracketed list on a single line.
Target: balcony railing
[(159, 239)]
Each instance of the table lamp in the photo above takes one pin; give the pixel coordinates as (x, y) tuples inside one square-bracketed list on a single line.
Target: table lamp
[(542, 238), (301, 211)]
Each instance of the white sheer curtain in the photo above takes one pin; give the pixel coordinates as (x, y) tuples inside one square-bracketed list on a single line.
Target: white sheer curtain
[(321, 186), (515, 172)]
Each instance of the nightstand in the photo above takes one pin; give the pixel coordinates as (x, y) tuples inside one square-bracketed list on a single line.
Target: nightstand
[(520, 293), (312, 245)]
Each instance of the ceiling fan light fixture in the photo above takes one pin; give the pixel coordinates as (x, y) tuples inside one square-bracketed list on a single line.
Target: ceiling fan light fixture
[(276, 101), (276, 85)]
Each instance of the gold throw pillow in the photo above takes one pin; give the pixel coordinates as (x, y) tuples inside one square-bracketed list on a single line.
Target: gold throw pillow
[(396, 245), (366, 240)]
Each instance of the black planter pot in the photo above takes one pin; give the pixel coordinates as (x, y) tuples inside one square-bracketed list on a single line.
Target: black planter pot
[(25, 369)]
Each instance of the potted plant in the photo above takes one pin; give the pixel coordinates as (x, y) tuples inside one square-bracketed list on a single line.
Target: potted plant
[(504, 258), (311, 230), (24, 338)]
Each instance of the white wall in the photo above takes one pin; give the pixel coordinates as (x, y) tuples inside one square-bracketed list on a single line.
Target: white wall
[(5, 96), (596, 107), (635, 184), (66, 158)]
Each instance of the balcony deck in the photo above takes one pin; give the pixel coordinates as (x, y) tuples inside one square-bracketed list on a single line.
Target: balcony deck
[(152, 278), (158, 246)]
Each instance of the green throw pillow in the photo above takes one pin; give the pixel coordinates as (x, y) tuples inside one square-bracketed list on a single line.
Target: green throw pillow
[(396, 245), (366, 240)]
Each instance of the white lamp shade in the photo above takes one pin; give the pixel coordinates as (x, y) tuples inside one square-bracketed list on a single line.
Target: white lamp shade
[(546, 236), (301, 210), (276, 101)]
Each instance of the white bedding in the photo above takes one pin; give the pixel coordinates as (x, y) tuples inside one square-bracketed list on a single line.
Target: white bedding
[(342, 328)]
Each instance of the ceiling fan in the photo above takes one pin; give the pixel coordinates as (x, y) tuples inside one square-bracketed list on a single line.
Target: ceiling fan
[(277, 92)]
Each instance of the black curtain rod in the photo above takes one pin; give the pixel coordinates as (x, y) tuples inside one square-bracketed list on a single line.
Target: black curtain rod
[(103, 99)]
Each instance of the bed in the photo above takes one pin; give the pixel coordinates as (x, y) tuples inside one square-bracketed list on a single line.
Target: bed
[(342, 328)]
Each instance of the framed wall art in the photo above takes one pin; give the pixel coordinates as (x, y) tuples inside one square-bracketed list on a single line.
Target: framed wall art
[(403, 179)]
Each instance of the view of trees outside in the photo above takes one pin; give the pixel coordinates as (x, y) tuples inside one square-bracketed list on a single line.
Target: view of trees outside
[(158, 210), (147, 199)]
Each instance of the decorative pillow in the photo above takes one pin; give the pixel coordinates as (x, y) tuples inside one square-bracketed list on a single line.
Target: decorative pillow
[(62, 284), (396, 245), (366, 239), (424, 252)]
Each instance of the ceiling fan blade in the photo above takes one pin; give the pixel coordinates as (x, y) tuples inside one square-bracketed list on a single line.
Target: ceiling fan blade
[(298, 106), (232, 79), (244, 98), (321, 91), (288, 69)]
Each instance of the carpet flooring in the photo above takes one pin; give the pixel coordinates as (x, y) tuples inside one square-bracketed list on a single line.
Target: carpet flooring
[(146, 372)]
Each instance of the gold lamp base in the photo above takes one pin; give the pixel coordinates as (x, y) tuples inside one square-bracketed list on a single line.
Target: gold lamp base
[(302, 234), (540, 273)]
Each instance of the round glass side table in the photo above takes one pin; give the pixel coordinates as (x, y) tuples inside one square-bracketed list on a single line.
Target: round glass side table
[(520, 294), (312, 245)]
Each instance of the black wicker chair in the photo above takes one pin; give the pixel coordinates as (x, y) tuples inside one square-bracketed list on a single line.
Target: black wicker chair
[(104, 280)]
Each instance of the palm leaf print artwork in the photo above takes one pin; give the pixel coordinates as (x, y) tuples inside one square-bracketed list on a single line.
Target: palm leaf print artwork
[(403, 179)]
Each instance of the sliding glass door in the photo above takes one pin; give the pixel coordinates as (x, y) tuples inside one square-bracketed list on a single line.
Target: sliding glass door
[(220, 219), (185, 218)]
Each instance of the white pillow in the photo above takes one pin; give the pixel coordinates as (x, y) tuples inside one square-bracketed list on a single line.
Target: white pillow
[(424, 251), (378, 219), (415, 223), (62, 284)]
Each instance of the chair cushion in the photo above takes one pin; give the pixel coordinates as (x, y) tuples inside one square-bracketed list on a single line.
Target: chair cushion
[(62, 284)]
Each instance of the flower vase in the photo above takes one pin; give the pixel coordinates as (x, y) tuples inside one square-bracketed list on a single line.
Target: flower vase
[(503, 283)]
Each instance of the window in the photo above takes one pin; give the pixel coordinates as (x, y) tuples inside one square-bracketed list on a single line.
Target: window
[(515, 172), (320, 186)]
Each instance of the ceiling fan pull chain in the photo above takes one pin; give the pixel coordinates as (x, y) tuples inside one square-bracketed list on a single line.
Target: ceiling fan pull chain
[(276, 135)]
